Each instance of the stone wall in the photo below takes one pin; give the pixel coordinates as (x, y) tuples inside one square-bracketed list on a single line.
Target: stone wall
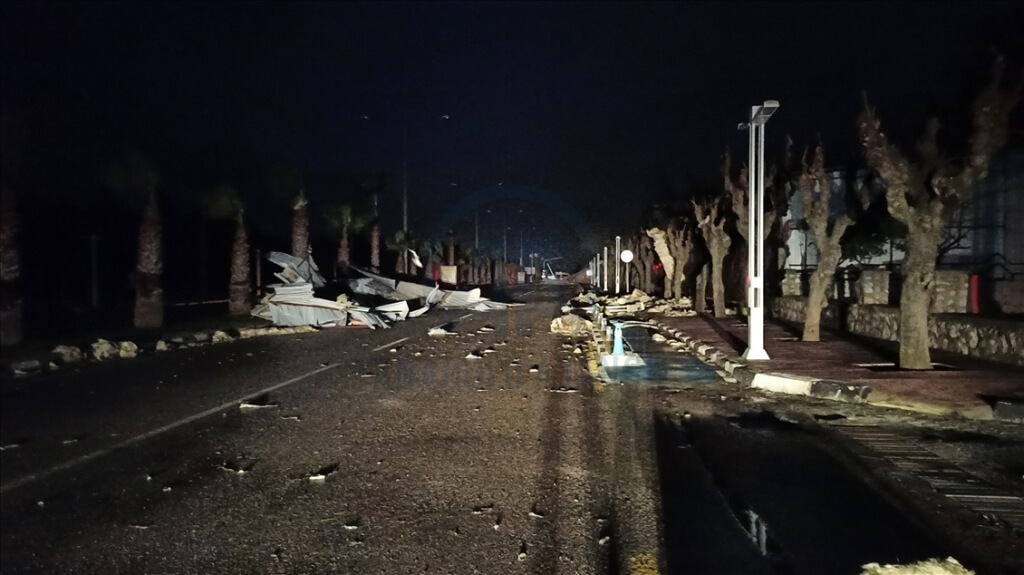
[(976, 336), (951, 292), (791, 283), (873, 287), (1009, 295)]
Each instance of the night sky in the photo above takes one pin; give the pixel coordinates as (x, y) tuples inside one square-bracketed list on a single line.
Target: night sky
[(598, 109)]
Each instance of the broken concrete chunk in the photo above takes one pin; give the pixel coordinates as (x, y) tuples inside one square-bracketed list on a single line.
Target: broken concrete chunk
[(658, 337), (127, 349), (949, 566), (200, 337), (222, 337), (472, 355), (438, 332), (103, 349), (67, 354), (162, 346), (571, 324)]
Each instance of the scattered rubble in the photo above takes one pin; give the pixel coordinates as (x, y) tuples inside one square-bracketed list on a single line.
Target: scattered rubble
[(127, 349), (222, 337), (161, 346)]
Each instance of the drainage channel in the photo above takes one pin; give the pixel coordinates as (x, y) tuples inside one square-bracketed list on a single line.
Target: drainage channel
[(913, 456), (754, 494), (661, 363)]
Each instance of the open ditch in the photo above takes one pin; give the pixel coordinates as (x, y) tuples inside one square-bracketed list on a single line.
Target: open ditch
[(756, 494)]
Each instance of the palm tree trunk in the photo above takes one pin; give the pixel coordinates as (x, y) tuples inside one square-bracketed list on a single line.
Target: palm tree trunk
[(149, 293), (238, 294), (300, 230), (375, 248), (343, 249), (10, 272)]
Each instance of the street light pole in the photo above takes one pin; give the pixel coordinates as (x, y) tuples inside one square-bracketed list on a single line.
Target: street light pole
[(605, 282), (759, 116), (618, 266)]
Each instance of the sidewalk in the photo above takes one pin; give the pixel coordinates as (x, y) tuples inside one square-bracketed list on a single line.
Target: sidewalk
[(841, 365)]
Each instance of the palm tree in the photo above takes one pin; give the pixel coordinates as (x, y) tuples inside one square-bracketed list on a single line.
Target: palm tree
[(224, 203), (135, 178), (401, 244), (372, 186), (345, 223), (431, 252), (10, 270), (10, 258), (285, 182)]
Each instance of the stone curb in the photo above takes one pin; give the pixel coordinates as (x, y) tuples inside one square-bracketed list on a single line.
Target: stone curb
[(769, 381)]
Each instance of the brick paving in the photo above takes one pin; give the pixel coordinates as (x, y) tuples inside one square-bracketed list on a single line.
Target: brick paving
[(965, 390)]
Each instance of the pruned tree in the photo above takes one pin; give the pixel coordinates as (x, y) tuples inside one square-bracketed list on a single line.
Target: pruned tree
[(136, 179), (711, 223), (816, 191), (738, 195), (680, 245), (645, 260), (660, 242), (923, 194), (225, 203)]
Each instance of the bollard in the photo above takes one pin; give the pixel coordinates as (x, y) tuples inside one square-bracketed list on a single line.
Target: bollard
[(617, 346)]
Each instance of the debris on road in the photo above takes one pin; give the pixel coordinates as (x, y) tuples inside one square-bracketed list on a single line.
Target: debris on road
[(103, 349), (949, 566), (571, 324), (472, 355), (67, 354), (397, 290)]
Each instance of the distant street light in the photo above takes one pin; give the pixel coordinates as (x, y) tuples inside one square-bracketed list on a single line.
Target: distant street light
[(759, 116)]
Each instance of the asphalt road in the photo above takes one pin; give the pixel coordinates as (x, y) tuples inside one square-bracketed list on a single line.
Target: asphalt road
[(388, 451)]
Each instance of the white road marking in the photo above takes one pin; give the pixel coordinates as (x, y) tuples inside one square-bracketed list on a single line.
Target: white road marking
[(139, 438), (387, 345)]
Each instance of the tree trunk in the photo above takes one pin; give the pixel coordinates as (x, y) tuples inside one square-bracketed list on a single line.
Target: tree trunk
[(915, 301), (718, 253), (667, 261), (149, 293), (10, 272), (239, 302), (300, 231), (817, 298), (700, 300), (343, 250), (375, 248)]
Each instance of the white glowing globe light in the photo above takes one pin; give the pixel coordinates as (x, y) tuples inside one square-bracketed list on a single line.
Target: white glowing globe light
[(589, 273), (626, 256)]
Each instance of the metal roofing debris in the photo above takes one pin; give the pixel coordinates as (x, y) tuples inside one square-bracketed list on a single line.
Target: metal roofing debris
[(295, 270)]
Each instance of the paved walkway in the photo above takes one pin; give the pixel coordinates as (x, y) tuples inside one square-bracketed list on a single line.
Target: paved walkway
[(968, 387)]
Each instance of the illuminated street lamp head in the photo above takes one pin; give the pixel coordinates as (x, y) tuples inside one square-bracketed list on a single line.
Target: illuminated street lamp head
[(763, 112)]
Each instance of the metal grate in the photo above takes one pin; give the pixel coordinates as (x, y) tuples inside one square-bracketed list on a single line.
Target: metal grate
[(947, 478)]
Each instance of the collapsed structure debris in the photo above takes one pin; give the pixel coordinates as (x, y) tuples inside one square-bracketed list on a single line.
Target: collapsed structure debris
[(292, 302), (398, 290)]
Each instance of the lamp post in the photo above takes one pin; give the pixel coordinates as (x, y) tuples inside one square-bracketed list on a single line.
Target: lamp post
[(618, 256), (605, 282), (759, 116), (626, 257)]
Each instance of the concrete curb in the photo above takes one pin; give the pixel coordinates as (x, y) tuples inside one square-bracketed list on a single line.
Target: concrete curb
[(769, 381)]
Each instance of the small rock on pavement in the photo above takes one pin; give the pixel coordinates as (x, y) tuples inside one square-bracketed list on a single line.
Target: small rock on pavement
[(571, 324), (200, 336), (162, 346), (221, 337), (658, 337)]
